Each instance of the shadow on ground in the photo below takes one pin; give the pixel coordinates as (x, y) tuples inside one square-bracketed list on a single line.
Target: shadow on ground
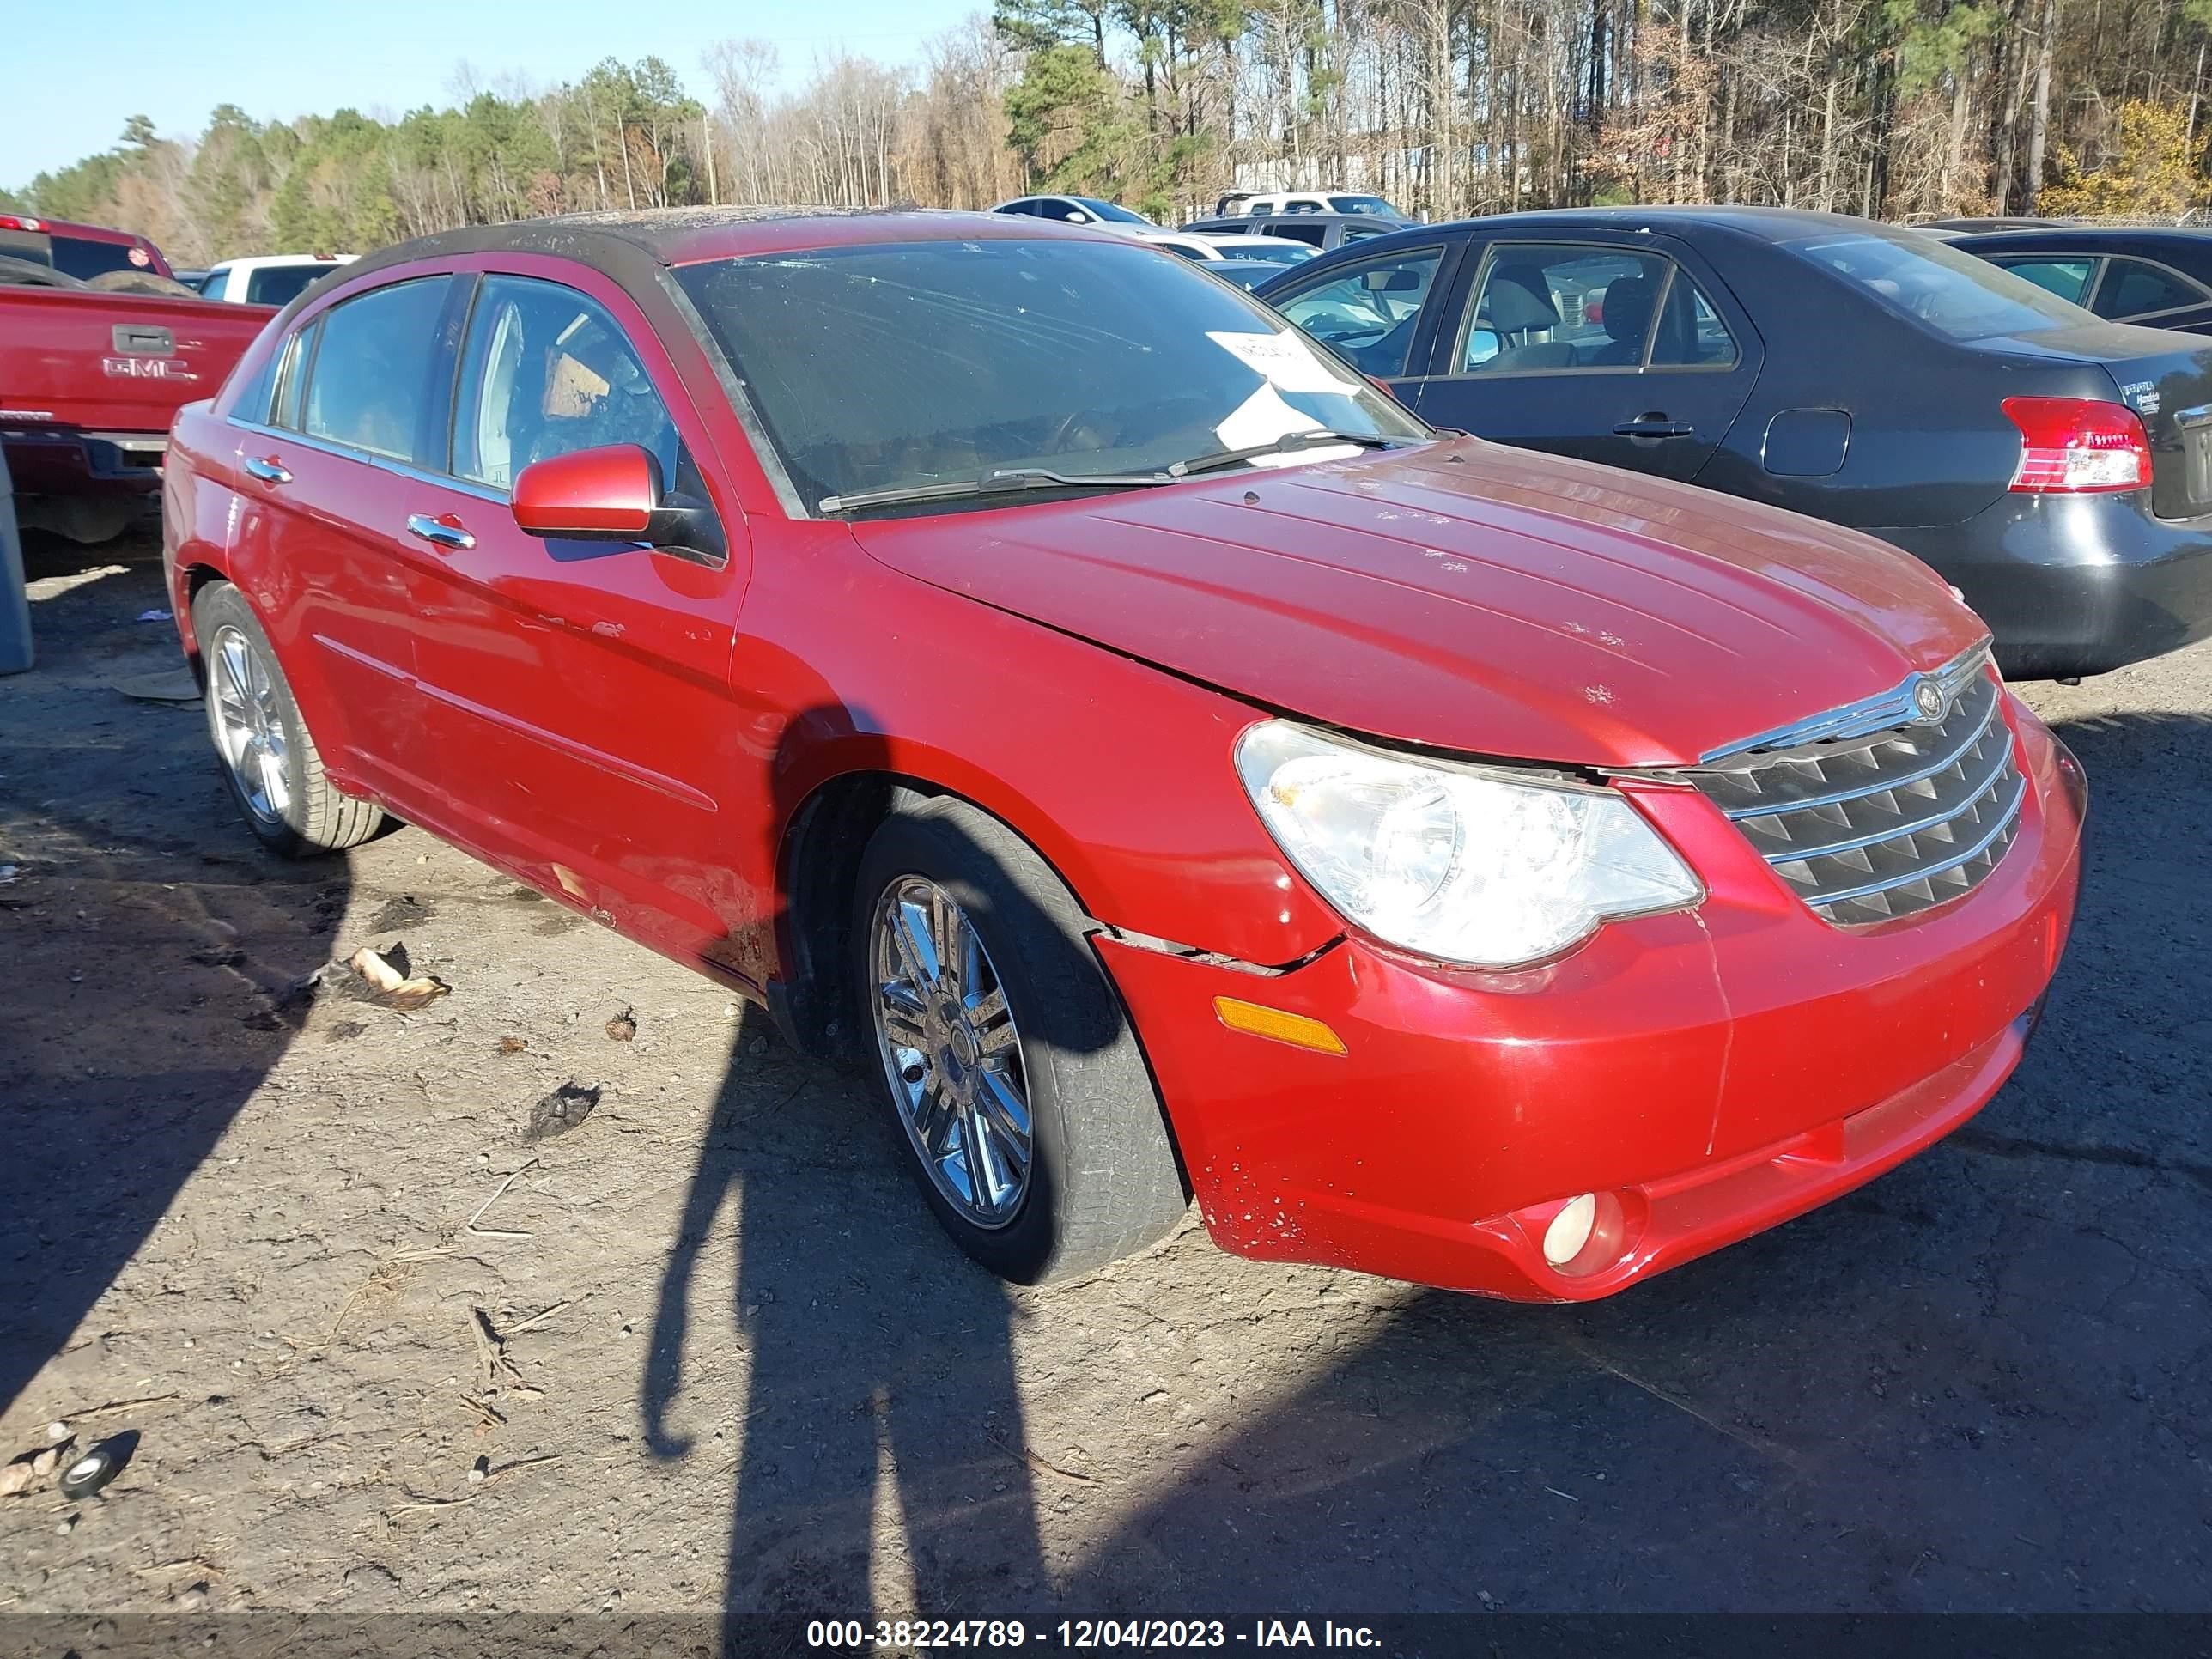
[(147, 943)]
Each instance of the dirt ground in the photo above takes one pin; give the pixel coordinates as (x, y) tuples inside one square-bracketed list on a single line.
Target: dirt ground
[(705, 1343)]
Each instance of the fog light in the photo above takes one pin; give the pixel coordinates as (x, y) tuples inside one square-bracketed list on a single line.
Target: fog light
[(1570, 1230)]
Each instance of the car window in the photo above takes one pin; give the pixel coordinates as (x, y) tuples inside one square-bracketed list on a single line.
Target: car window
[(292, 376), (281, 284), (1360, 233), (1260, 210), (1188, 253), (1362, 204), (212, 284), (1312, 235), (2068, 278), (81, 257), (1926, 279), (2137, 288), (1690, 333), (1368, 311), (252, 403), (1086, 358), (1026, 208), (1553, 307), (545, 371), (1054, 207), (369, 377), (1110, 210)]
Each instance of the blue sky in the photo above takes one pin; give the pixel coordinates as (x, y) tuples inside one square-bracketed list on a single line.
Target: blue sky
[(74, 71)]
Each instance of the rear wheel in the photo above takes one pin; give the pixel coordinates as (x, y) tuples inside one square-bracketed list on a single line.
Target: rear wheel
[(1017, 1083), (269, 757)]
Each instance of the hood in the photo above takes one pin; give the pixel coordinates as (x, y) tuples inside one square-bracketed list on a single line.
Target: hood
[(1467, 596)]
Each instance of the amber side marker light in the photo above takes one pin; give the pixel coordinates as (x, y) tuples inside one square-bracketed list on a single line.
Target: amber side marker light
[(1296, 1030)]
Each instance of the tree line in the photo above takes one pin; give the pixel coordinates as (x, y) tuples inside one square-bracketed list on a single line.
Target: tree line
[(1891, 108)]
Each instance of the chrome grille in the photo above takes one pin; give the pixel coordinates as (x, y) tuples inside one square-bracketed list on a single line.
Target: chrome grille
[(1875, 812)]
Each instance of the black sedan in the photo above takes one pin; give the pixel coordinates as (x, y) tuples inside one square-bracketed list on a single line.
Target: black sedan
[(2057, 468), (2159, 278)]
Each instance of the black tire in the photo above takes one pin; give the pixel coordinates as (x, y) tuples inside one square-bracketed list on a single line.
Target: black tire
[(30, 273), (313, 818), (140, 281), (1103, 1180)]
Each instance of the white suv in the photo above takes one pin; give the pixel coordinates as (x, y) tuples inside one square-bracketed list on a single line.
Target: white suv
[(271, 279), (1307, 201)]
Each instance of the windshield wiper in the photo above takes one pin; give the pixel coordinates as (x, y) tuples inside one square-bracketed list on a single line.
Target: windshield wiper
[(1011, 479), (1289, 443), (992, 483)]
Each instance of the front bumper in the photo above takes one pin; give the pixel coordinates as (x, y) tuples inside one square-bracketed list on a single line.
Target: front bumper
[(2076, 585), (1708, 1074)]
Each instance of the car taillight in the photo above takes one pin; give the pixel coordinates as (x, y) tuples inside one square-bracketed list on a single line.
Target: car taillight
[(2076, 446)]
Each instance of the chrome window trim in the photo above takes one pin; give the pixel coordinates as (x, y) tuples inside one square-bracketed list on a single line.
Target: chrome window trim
[(381, 462), (1894, 706)]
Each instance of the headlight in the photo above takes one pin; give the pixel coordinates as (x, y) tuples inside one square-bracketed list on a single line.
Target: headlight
[(1453, 861)]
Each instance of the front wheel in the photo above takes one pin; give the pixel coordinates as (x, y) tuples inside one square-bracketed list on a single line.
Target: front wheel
[(1024, 1103), (269, 757)]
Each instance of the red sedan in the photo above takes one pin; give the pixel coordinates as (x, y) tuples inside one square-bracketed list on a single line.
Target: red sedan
[(1010, 653)]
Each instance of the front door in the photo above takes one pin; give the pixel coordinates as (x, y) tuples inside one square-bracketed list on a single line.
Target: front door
[(581, 690), (1377, 314), (1607, 352)]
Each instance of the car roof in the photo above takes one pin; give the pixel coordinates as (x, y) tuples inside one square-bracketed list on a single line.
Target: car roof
[(87, 232), (2089, 236), (626, 244), (1768, 224), (263, 261)]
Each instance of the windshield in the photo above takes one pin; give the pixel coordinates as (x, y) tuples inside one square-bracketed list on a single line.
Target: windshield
[(1363, 204), (888, 365), (1120, 215), (1932, 282)]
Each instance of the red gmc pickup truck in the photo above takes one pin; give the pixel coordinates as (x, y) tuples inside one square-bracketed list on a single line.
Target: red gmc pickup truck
[(88, 385)]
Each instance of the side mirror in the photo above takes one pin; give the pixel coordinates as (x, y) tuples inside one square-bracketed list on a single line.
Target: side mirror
[(590, 494), (611, 494)]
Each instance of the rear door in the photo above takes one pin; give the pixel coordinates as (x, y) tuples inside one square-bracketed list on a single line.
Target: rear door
[(579, 690), (321, 554), (1624, 350)]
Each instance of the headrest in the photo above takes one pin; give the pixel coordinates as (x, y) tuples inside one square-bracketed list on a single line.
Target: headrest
[(1518, 297), (1628, 302)]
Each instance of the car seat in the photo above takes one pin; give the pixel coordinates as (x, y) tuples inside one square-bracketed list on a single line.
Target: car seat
[(1517, 300), (1627, 316)]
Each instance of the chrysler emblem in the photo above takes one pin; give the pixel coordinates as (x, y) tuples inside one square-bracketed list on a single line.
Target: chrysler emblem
[(1928, 697)]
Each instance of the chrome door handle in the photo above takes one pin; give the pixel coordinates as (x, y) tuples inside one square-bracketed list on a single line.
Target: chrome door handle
[(268, 471), (1654, 426), (439, 532)]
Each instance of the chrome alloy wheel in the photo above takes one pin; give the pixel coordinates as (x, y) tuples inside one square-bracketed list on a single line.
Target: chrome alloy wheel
[(248, 724), (950, 1051)]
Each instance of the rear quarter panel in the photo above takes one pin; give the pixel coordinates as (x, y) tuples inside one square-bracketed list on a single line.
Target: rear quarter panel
[(1928, 443), (200, 510)]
